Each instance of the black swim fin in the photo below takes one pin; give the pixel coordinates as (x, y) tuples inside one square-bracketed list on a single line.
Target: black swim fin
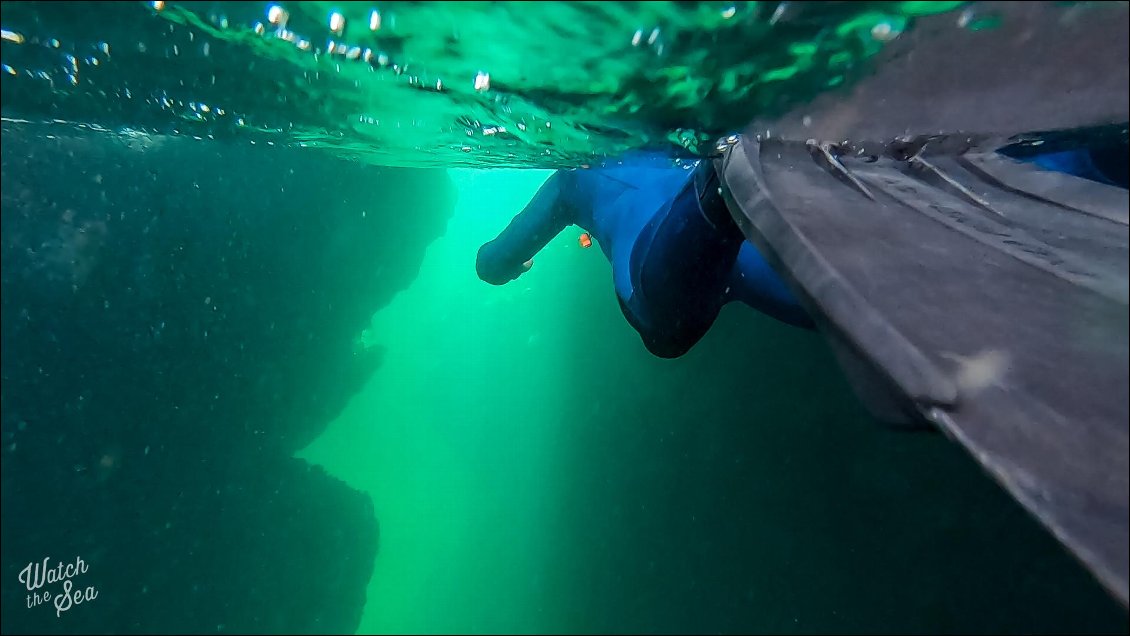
[(982, 294), (958, 286)]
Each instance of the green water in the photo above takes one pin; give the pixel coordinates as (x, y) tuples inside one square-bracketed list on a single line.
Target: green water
[(442, 83), (535, 470), (531, 467), (460, 438)]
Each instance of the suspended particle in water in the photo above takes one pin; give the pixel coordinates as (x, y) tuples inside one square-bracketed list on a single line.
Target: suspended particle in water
[(970, 19), (278, 16), (884, 31), (482, 81), (779, 12)]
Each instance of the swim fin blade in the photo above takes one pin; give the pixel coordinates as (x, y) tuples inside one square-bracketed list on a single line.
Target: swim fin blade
[(976, 292)]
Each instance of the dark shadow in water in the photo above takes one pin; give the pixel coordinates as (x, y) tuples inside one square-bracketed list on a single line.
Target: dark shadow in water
[(743, 489), (179, 317)]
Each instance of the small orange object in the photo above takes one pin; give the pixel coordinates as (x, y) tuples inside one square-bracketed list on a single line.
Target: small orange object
[(585, 240)]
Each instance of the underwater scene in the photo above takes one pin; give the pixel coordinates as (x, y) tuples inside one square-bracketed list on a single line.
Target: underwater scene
[(386, 317)]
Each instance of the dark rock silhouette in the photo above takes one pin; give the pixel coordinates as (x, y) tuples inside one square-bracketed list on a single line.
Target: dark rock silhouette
[(180, 316)]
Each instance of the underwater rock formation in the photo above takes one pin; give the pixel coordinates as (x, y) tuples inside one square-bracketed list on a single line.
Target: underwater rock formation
[(179, 317)]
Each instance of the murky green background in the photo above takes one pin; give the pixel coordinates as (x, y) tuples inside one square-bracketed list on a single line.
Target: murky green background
[(251, 378)]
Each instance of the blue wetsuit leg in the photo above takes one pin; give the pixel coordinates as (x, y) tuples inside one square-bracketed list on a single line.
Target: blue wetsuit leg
[(680, 264), (551, 210)]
